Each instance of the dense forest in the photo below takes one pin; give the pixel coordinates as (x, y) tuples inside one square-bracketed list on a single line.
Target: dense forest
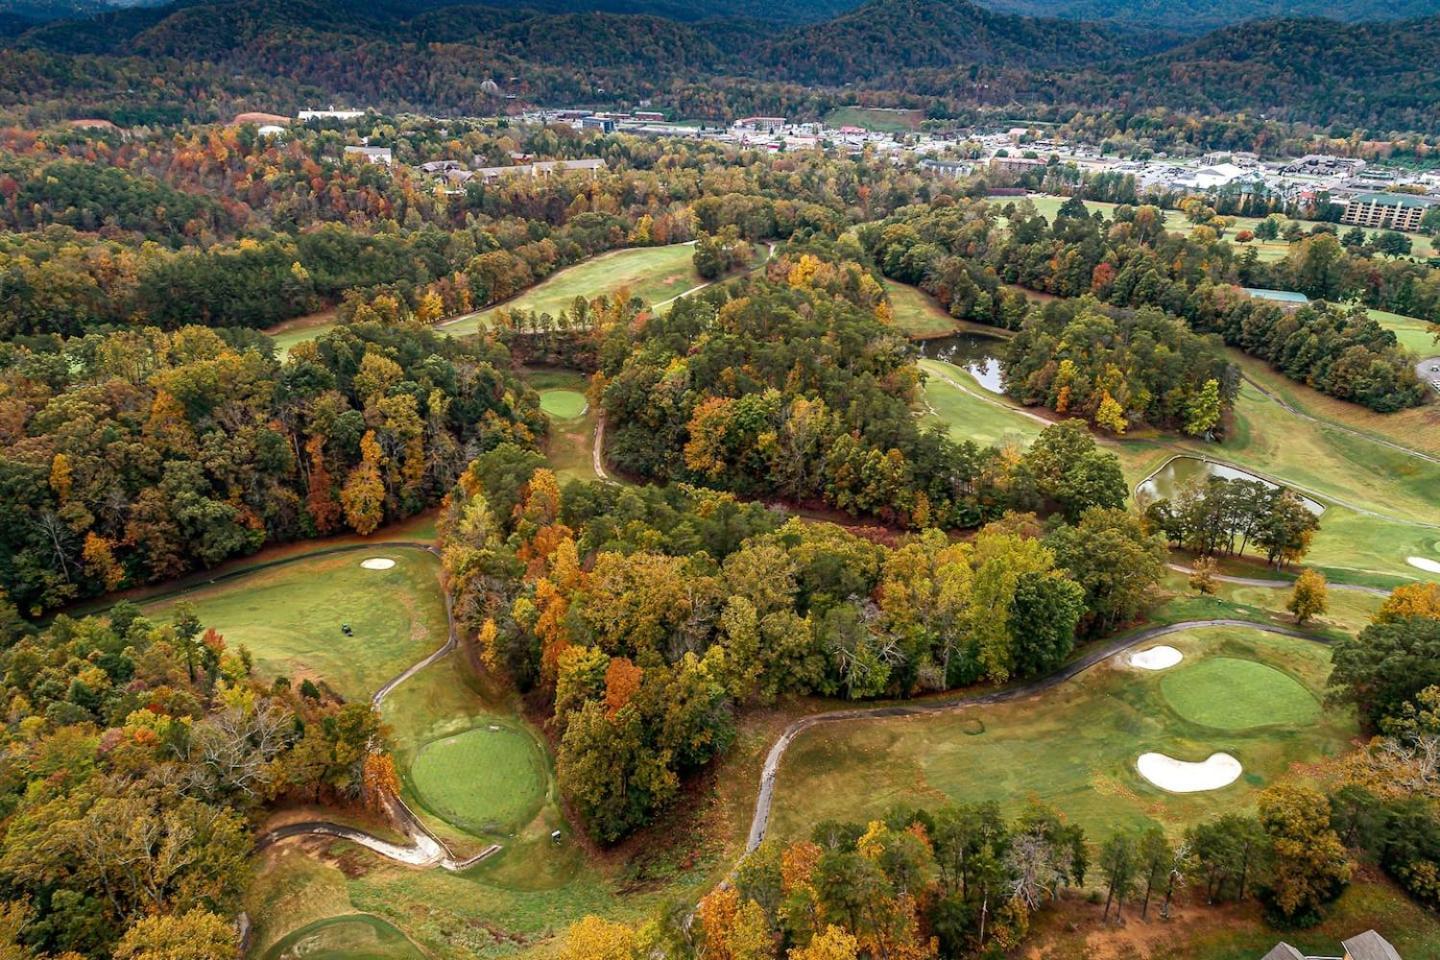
[(136, 456), (203, 62), (646, 617)]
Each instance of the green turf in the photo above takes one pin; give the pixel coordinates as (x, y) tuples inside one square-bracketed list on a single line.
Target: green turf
[(289, 617), (563, 404), (355, 937), (972, 413), (881, 119), (654, 274), (1231, 694), (1414, 335), (1048, 206), (916, 312), (490, 778), (1074, 746)]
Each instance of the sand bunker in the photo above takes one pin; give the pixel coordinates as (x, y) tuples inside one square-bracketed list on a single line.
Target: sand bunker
[(1156, 658), (377, 563), (1424, 563), (1178, 776)]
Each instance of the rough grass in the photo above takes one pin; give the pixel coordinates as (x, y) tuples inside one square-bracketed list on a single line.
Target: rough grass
[(489, 778), (1231, 694), (289, 617), (1074, 746), (356, 937), (562, 404)]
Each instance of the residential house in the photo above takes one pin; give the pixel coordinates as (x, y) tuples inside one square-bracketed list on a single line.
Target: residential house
[(1366, 946)]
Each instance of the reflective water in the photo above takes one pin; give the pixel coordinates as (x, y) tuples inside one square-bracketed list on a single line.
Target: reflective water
[(978, 354), (1180, 472)]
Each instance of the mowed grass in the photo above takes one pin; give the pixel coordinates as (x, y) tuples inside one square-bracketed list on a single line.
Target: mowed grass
[(570, 441), (1421, 245), (654, 274), (916, 312), (489, 778), (1074, 746), (1231, 694), (1414, 335), (881, 119), (356, 937), (971, 413), (289, 616), (562, 404)]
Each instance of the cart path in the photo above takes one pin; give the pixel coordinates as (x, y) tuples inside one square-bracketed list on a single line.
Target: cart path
[(425, 849), (1260, 582), (1332, 425), (760, 821)]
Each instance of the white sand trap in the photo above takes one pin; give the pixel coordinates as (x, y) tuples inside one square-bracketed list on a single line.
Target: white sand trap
[(1178, 776), (377, 563), (1424, 563), (1156, 658)]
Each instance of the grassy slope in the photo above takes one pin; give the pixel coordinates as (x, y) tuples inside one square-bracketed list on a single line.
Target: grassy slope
[(289, 617), (654, 274), (571, 438), (1074, 746)]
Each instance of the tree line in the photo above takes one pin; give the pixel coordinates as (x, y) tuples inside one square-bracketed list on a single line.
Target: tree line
[(644, 618), (136, 456), (965, 252), (140, 750)]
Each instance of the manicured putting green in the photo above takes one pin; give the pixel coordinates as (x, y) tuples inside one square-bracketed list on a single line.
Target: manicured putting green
[(488, 779), (562, 404), (357, 937), (1231, 694)]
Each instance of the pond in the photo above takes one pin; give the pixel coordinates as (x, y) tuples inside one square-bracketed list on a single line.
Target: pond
[(977, 353), (1180, 472)]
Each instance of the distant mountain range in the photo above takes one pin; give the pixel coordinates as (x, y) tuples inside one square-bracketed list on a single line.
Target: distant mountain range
[(432, 56), (1196, 16), (1191, 16)]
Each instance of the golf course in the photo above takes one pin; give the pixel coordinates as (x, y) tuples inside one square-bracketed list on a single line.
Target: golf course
[(1252, 695), (1168, 724)]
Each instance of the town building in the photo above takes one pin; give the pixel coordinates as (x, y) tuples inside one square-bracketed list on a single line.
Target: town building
[(1394, 211), (603, 124), (331, 114), (372, 154)]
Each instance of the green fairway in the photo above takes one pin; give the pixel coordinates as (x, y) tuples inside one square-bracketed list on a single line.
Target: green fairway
[(971, 413), (1074, 746), (1048, 206), (488, 779), (286, 335), (570, 440), (563, 404), (356, 937), (1414, 335), (289, 616), (1231, 694), (654, 274)]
